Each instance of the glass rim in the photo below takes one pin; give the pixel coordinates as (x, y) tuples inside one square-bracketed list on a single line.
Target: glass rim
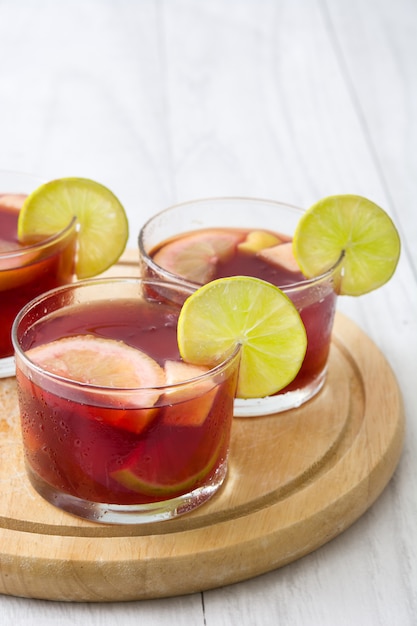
[(47, 241), (169, 276), (106, 390), (39, 245)]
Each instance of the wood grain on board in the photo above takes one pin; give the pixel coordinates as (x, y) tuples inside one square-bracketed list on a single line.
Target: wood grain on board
[(295, 481)]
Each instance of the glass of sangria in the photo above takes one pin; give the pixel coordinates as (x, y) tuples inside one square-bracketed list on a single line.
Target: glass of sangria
[(198, 241), (26, 270), (116, 428)]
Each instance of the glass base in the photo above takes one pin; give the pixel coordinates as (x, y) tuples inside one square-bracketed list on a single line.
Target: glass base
[(108, 513), (7, 367), (255, 407)]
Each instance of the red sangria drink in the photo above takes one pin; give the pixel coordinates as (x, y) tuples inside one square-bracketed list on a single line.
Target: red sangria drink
[(116, 427), (196, 242), (26, 270)]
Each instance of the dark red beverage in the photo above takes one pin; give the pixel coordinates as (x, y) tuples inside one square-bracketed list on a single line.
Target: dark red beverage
[(26, 271), (108, 445), (267, 255)]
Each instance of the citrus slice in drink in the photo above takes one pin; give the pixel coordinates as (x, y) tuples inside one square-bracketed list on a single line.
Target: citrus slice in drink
[(102, 222), (194, 257), (174, 469), (12, 200), (356, 228), (257, 240), (135, 480), (250, 312), (121, 379), (189, 405), (281, 255)]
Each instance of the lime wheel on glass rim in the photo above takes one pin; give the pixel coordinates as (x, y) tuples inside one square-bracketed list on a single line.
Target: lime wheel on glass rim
[(101, 221), (254, 314), (355, 227), (213, 320)]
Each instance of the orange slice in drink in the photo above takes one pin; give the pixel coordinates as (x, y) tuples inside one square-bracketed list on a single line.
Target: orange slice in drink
[(117, 376), (13, 200), (281, 255), (257, 240), (194, 257), (189, 405)]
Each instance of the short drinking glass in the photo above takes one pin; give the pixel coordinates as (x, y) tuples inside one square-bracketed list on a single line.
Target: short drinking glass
[(125, 453), (26, 270), (201, 240)]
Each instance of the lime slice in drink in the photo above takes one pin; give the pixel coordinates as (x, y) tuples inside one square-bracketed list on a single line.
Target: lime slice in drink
[(131, 478), (194, 257), (174, 470), (250, 312), (105, 364), (354, 226), (102, 222)]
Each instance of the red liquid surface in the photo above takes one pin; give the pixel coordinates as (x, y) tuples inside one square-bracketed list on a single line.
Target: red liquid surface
[(106, 451), (315, 304), (36, 273)]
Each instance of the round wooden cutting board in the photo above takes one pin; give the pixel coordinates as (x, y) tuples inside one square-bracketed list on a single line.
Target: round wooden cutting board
[(295, 481)]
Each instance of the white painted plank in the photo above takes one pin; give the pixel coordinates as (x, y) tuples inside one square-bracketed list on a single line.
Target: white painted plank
[(267, 113), (181, 611), (377, 46)]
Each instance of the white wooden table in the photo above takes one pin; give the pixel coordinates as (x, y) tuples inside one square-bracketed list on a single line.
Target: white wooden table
[(165, 101)]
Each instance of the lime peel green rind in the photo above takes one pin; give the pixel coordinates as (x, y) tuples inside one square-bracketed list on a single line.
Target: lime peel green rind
[(129, 479), (250, 312), (354, 226), (102, 223)]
